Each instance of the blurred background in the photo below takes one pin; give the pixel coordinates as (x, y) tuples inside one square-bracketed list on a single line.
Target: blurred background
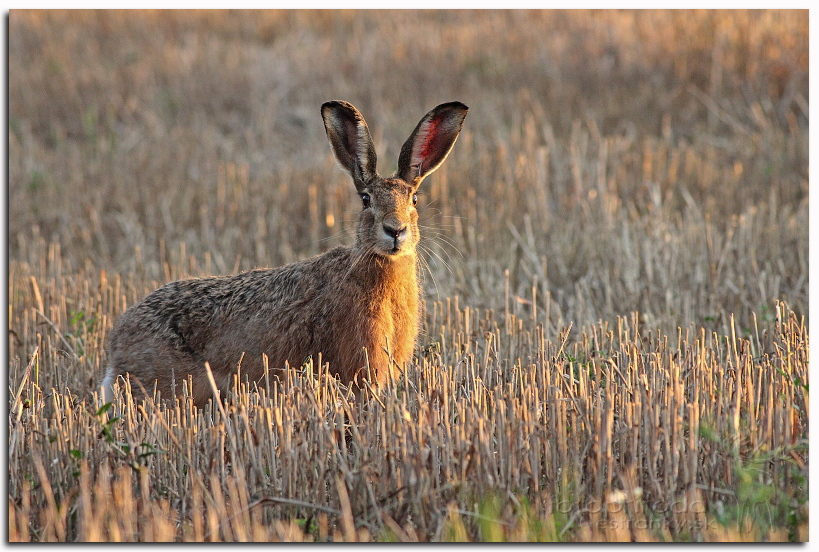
[(611, 162)]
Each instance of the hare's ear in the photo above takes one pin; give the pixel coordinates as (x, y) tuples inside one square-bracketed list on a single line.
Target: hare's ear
[(430, 142), (350, 140)]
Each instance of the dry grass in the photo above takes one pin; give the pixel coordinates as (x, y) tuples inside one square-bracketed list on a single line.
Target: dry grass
[(615, 339)]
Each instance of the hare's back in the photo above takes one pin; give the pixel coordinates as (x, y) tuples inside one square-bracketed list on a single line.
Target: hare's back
[(195, 314)]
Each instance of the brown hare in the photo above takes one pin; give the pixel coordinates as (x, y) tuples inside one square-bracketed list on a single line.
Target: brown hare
[(339, 303)]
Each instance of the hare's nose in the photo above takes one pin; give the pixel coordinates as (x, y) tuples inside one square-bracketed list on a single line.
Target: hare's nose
[(394, 233)]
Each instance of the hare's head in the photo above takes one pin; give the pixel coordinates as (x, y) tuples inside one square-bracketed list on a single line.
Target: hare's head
[(388, 224)]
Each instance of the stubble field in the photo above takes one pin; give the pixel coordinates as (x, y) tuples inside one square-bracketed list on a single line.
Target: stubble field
[(614, 342)]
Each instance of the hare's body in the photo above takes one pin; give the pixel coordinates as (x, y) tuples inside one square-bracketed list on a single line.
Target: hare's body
[(337, 304)]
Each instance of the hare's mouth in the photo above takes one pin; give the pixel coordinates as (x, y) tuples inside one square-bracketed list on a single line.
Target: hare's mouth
[(392, 248), (392, 242)]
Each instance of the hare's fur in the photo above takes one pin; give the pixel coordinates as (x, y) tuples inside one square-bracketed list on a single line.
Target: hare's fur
[(339, 303)]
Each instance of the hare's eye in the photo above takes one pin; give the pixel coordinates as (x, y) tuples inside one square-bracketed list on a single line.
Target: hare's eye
[(414, 200), (365, 199)]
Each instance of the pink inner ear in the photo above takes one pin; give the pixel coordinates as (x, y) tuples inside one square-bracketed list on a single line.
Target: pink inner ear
[(431, 133)]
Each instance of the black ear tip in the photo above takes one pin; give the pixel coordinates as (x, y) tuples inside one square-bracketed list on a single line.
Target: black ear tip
[(334, 104), (454, 105), (344, 109)]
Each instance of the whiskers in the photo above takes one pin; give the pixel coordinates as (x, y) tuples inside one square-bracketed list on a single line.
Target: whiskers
[(431, 247), (425, 265), (359, 256), (432, 235), (437, 245), (349, 230)]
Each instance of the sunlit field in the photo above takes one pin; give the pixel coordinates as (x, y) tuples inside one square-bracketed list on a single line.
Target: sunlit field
[(614, 262)]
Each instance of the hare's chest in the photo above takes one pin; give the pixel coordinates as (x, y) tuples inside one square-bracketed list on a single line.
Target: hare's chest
[(402, 323)]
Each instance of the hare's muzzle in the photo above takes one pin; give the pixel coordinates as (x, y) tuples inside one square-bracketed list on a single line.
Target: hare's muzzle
[(395, 234)]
